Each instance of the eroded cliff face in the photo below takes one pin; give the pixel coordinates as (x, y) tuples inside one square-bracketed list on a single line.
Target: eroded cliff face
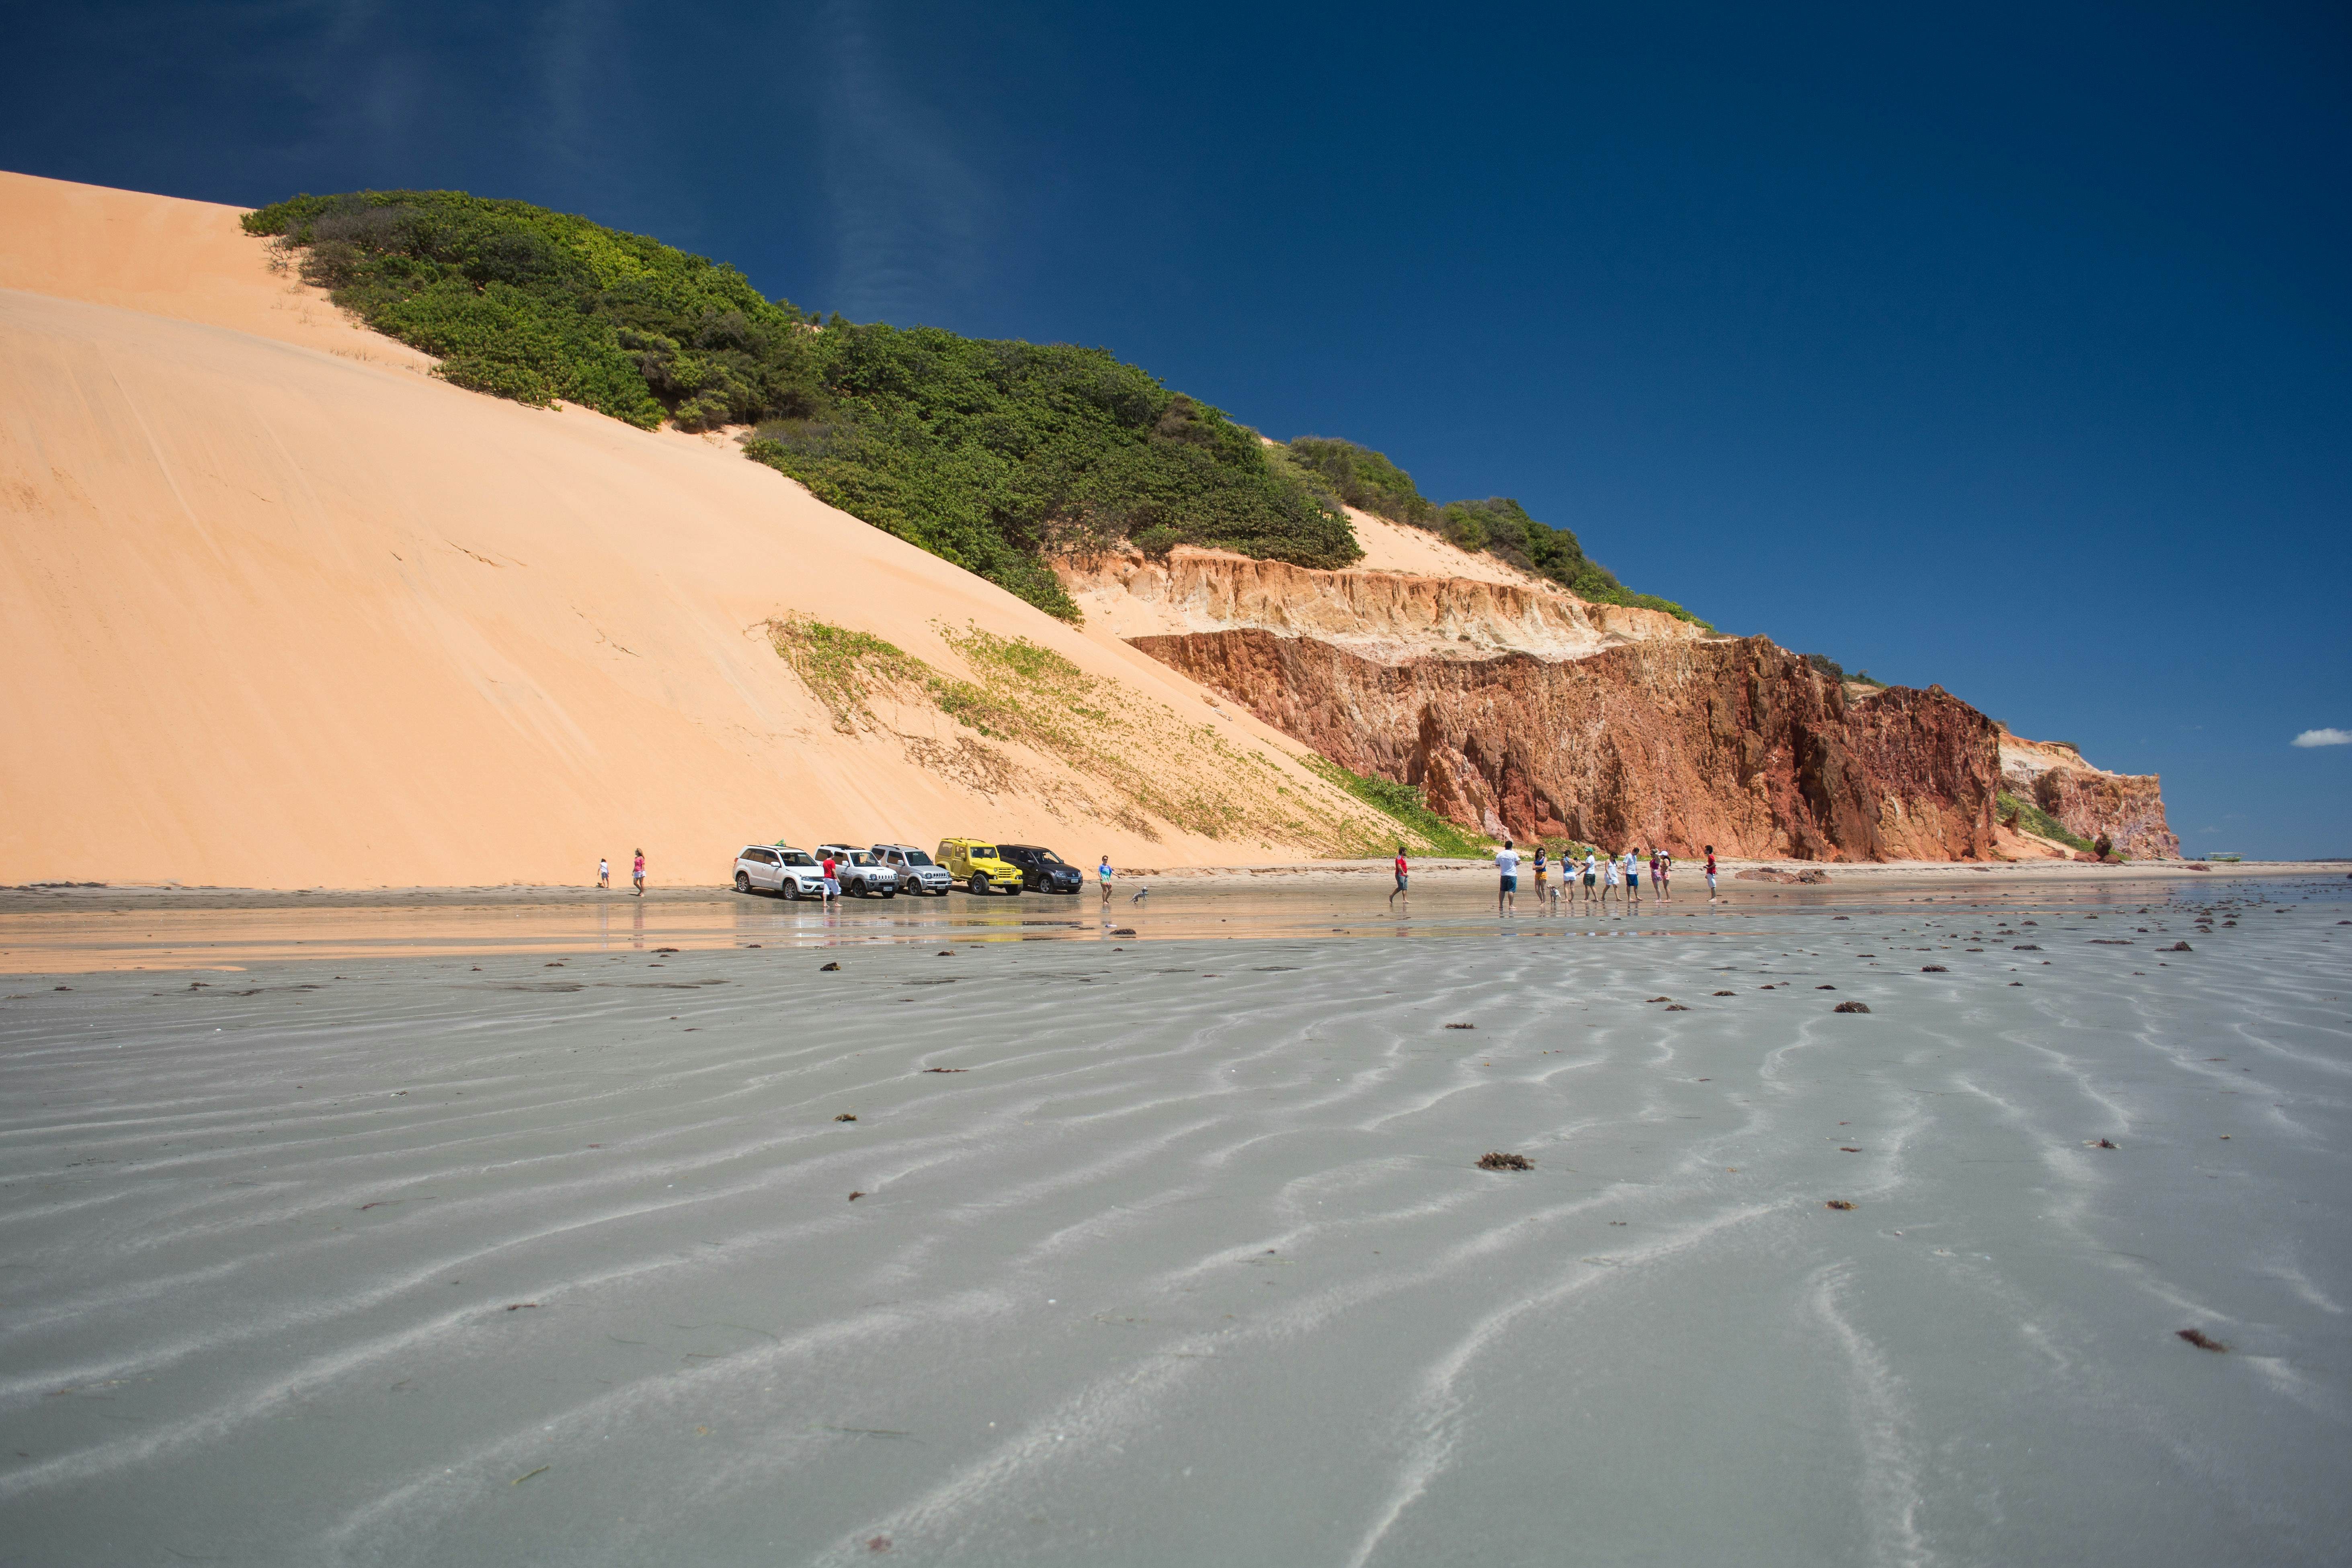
[(1386, 616), (1676, 741), (2127, 808)]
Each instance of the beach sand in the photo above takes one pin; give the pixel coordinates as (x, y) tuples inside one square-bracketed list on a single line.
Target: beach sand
[(399, 1257)]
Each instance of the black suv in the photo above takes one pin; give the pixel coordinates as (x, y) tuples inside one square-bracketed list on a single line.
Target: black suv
[(1041, 871)]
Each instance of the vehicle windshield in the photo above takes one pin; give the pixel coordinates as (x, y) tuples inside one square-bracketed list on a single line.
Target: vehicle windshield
[(861, 858), (983, 851), (797, 857), (915, 857)]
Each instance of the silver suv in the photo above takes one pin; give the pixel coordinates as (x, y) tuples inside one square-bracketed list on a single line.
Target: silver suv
[(859, 872), (779, 868), (917, 873)]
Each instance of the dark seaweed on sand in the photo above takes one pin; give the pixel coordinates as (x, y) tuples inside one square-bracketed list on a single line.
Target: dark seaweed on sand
[(2197, 1337), (1506, 1163)]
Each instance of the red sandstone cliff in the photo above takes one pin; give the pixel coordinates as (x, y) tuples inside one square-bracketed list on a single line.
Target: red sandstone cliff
[(2127, 808), (1739, 744)]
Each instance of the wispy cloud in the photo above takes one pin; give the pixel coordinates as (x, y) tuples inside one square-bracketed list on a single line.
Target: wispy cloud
[(2323, 738), (907, 207)]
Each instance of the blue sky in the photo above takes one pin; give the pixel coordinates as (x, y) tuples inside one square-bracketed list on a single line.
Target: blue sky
[(2004, 348)]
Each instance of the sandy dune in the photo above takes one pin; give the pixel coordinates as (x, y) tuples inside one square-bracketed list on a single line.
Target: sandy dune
[(280, 611)]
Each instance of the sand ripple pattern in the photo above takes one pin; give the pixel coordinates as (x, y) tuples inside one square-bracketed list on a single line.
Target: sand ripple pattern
[(402, 1261)]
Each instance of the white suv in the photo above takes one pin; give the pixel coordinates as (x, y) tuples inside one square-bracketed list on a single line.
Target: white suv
[(779, 868), (916, 872), (859, 872)]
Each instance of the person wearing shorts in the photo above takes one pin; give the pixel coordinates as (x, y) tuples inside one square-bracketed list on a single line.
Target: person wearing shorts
[(1102, 877), (1710, 873), (1506, 895), (637, 873), (603, 872), (832, 881), (1607, 883), (1633, 882), (1591, 876), (1403, 873)]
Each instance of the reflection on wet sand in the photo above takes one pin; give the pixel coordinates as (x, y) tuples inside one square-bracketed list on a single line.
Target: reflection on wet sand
[(95, 932)]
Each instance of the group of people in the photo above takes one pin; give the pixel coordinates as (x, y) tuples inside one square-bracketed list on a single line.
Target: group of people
[(1606, 880)]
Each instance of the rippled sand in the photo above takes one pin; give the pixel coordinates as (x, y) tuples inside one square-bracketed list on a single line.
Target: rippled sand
[(389, 1256)]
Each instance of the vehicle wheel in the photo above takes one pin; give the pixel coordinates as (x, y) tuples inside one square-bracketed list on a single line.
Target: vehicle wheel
[(743, 883), (791, 889), (980, 889)]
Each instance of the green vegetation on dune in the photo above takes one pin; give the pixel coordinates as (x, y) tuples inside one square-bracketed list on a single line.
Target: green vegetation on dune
[(1420, 829), (1498, 526), (994, 455), (989, 454)]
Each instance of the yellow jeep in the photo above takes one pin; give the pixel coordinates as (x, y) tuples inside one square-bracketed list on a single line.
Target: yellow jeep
[(974, 863)]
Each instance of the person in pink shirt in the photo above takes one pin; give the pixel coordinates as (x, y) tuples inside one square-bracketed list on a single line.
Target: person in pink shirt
[(637, 873)]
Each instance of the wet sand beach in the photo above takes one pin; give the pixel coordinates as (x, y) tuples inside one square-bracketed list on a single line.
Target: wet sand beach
[(449, 1243)]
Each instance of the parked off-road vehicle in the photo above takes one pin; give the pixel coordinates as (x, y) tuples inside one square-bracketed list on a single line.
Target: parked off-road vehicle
[(918, 872), (778, 868), (975, 863), (859, 872), (1041, 871)]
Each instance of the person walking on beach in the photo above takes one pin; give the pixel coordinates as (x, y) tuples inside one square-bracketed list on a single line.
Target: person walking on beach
[(1632, 883), (832, 869), (1403, 872), (1662, 870), (603, 872), (1542, 872), (1507, 896), (1710, 873), (1607, 882), (637, 873), (1102, 877), (1591, 875)]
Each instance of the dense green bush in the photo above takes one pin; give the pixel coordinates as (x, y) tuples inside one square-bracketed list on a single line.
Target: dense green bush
[(1498, 526), (989, 454), (996, 455)]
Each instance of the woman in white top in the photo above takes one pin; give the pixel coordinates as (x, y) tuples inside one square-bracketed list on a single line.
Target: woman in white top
[(1607, 883)]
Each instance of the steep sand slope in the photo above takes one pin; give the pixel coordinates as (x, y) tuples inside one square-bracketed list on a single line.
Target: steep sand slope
[(278, 617)]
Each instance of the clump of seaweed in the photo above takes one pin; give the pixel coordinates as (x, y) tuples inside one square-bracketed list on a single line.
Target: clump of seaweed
[(1497, 1161)]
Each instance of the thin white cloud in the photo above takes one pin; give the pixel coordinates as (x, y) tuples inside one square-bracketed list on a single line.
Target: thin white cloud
[(907, 207), (2323, 738)]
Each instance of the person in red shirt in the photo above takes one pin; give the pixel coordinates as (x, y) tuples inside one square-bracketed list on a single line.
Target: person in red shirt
[(832, 881), (1710, 873), (1403, 871)]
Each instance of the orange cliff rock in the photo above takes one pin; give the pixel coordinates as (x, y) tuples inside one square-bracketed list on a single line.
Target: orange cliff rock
[(2127, 808), (1674, 741)]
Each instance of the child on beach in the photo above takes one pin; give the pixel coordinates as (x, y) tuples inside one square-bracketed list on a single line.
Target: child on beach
[(603, 872), (637, 873), (1403, 872), (1710, 873), (1102, 877), (1507, 896)]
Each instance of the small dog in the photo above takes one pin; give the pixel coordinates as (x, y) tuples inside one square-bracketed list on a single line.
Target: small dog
[(1140, 894)]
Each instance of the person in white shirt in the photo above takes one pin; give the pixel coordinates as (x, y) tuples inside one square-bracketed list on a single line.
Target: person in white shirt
[(1507, 861), (603, 872), (1607, 883), (1592, 877), (1632, 883)]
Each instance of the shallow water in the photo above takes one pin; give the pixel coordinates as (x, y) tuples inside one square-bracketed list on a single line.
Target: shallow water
[(93, 931), (1192, 1262)]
